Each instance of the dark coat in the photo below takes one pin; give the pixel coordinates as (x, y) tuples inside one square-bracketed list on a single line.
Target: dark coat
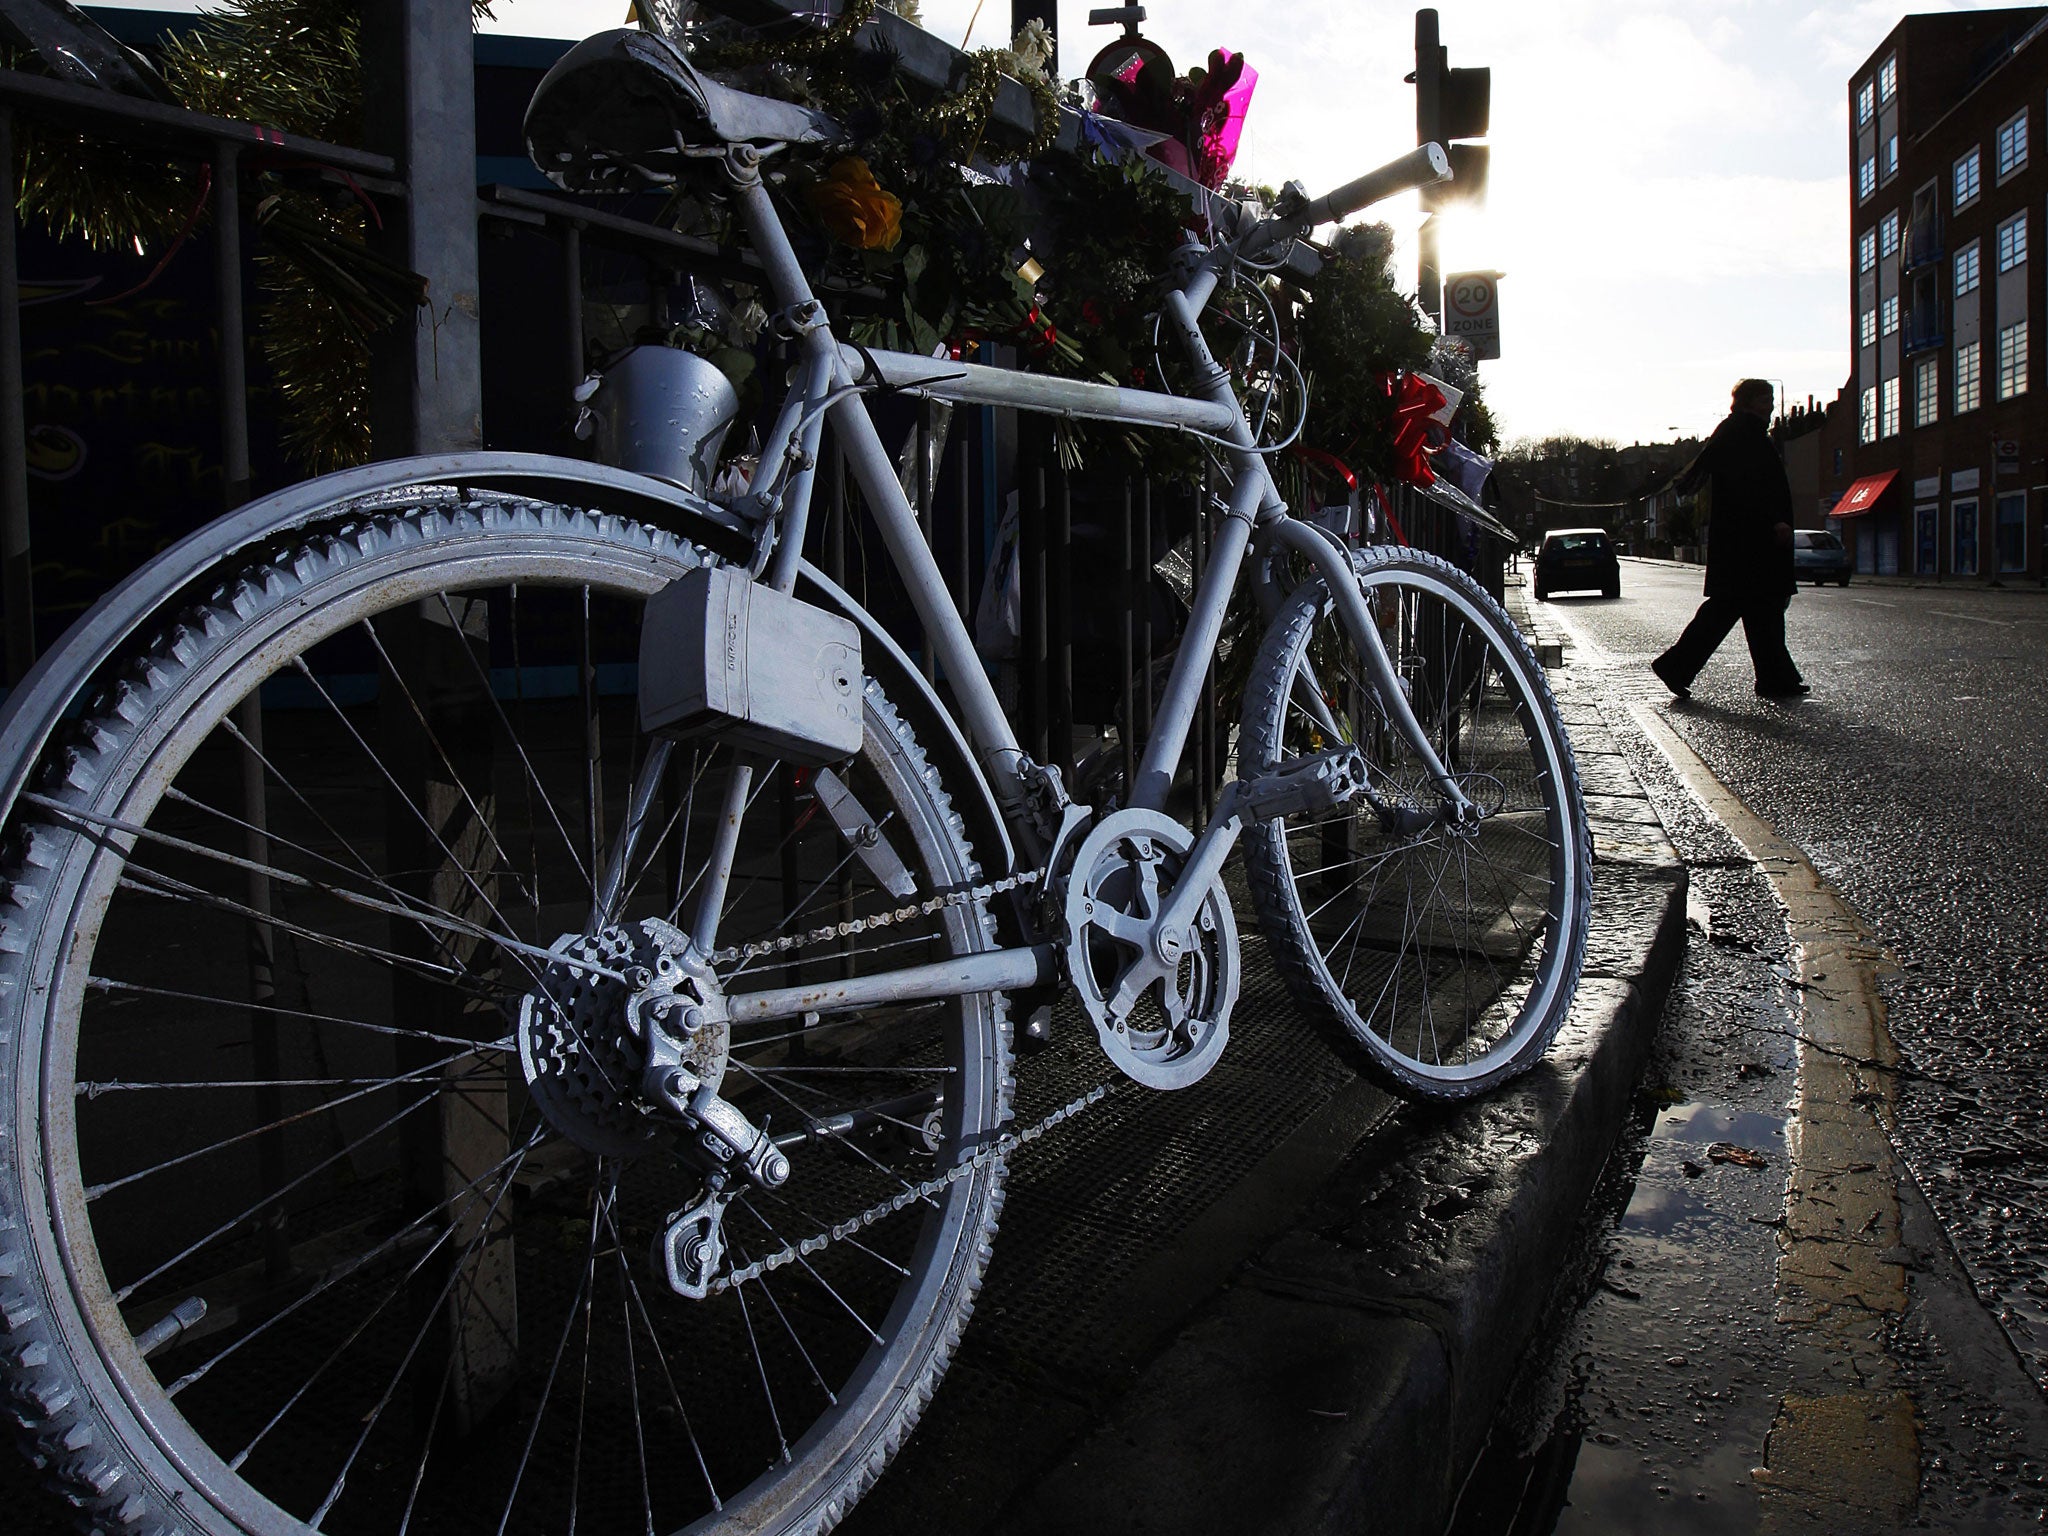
[(1750, 496)]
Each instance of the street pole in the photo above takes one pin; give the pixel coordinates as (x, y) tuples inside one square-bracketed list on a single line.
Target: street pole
[(1429, 75)]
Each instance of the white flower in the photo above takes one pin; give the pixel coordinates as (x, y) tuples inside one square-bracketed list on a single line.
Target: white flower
[(749, 318), (1032, 47)]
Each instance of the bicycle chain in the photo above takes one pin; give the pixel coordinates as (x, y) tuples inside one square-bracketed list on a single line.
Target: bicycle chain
[(1002, 1146), (976, 893)]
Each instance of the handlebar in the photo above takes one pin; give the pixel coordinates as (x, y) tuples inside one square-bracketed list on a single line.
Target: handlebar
[(1423, 167)]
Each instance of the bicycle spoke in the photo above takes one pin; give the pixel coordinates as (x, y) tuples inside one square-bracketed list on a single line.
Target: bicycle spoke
[(413, 1079)]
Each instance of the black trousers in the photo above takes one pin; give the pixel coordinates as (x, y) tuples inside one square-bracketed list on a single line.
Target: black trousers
[(1763, 624)]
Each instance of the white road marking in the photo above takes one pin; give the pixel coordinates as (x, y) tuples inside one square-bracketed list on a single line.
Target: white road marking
[(1969, 618), (1871, 602)]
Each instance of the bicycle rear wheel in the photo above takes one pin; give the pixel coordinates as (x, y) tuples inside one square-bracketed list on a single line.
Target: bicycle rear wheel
[(290, 1237), (1442, 958)]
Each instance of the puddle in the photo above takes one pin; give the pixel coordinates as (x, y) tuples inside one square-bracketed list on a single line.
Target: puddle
[(1658, 1405)]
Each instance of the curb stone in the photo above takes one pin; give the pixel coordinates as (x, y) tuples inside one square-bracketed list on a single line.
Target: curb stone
[(1346, 1376)]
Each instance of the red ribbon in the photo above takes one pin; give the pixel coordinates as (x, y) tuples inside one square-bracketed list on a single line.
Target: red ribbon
[(1328, 461), (1415, 401)]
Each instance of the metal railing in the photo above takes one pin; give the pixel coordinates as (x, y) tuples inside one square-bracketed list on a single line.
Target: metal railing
[(222, 145)]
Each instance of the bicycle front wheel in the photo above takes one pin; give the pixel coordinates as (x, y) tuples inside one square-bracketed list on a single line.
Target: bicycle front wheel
[(1441, 957), (327, 1200)]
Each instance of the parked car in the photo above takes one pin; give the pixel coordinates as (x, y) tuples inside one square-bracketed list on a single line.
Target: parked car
[(1577, 559), (1818, 556)]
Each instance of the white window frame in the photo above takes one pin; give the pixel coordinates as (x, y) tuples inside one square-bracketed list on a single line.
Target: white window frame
[(1888, 408), (1866, 178), (1969, 379), (1890, 167), (1968, 178), (1888, 234), (2012, 144), (2012, 242), (1866, 102), (1866, 416), (1866, 251), (1969, 269), (2012, 360), (1926, 391), (1888, 79), (1866, 334), (1888, 317)]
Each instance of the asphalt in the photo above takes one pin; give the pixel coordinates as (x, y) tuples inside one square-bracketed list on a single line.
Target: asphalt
[(1343, 1376)]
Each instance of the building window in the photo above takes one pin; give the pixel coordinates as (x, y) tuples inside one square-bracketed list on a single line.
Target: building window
[(1839, 456), (1888, 422), (1866, 250), (1966, 269), (1964, 515), (1890, 312), (2012, 360), (1888, 79), (1891, 157), (1969, 178), (1866, 103), (1868, 334), (2012, 145), (1866, 417), (2012, 242), (1866, 177), (1968, 359), (1888, 235), (2012, 532), (1926, 392)]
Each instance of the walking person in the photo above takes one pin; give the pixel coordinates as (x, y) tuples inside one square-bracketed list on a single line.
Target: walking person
[(1749, 551)]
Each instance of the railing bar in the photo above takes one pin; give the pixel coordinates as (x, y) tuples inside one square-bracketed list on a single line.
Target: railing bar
[(130, 117), (16, 586)]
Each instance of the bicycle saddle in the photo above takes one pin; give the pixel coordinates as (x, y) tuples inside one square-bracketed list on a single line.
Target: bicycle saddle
[(627, 101)]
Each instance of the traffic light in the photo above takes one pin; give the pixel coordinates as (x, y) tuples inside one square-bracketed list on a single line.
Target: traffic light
[(1464, 103), (1467, 187), (1450, 104)]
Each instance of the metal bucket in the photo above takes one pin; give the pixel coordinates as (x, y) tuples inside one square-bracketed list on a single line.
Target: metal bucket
[(663, 412)]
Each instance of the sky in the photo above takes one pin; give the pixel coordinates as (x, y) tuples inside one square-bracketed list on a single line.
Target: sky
[(1669, 197)]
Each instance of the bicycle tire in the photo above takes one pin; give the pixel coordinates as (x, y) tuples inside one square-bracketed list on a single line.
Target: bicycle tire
[(104, 1423), (1442, 904)]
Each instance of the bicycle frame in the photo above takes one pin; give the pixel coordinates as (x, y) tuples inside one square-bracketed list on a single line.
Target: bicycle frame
[(832, 378)]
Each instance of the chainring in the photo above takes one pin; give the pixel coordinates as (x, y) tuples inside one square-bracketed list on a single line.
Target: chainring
[(1160, 1003)]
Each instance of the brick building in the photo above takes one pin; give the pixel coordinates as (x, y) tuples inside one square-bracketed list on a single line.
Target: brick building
[(1938, 465)]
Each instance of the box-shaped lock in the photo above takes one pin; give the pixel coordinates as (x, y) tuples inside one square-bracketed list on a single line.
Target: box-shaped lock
[(725, 657)]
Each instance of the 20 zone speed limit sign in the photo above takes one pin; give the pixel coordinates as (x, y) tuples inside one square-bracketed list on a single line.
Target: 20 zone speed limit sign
[(1472, 311)]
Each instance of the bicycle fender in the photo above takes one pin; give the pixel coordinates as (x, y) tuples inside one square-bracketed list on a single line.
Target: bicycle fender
[(37, 705)]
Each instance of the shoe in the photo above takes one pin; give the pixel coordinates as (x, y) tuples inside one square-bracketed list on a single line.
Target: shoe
[(1797, 689), (1678, 690)]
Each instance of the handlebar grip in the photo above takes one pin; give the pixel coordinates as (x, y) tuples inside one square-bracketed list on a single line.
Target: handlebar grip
[(1423, 167)]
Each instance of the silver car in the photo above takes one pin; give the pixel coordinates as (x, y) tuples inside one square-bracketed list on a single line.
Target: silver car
[(1818, 556)]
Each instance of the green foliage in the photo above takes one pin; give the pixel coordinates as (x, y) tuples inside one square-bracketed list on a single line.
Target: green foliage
[(1356, 328)]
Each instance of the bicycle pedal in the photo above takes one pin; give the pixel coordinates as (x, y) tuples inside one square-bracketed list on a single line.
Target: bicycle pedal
[(1307, 786)]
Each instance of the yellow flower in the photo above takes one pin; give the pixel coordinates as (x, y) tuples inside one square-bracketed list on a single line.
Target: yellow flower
[(855, 209)]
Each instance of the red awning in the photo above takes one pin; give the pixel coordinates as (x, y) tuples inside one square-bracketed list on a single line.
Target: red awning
[(1863, 495)]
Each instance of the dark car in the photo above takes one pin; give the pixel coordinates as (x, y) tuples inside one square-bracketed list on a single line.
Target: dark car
[(1577, 559), (1818, 556)]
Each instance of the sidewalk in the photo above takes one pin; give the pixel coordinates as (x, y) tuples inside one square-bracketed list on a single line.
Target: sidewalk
[(1344, 1373)]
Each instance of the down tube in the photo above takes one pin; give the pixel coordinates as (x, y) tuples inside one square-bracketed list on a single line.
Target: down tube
[(980, 710)]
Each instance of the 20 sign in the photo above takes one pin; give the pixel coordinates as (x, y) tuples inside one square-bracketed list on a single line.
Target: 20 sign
[(1472, 311)]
